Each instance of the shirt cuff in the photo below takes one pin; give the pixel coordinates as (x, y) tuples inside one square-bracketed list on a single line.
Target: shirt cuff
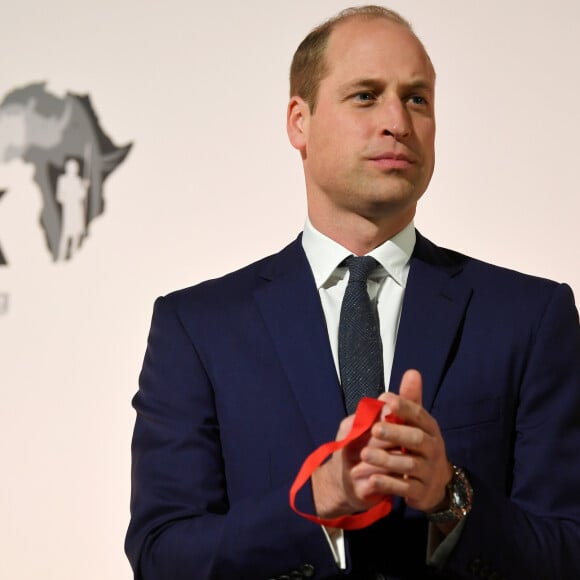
[(440, 546), (336, 544)]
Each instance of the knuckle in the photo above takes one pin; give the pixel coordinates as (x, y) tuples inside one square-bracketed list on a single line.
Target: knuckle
[(416, 411), (418, 437), (412, 465), (379, 431)]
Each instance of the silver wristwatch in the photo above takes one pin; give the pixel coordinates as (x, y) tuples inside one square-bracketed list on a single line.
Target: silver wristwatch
[(460, 495)]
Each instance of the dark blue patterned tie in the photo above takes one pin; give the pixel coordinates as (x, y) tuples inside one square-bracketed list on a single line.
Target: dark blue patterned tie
[(360, 351)]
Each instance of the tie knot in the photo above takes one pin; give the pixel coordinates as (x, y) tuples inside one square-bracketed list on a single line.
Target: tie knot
[(360, 267)]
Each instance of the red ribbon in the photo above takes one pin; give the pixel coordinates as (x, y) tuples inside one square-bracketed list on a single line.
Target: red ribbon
[(367, 414)]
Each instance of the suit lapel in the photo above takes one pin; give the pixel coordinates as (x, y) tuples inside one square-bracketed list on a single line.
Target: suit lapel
[(434, 307), (289, 303)]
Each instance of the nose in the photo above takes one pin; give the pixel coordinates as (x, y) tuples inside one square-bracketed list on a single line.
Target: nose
[(395, 119)]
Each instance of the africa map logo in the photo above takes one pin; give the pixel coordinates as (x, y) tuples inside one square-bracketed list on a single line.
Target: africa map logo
[(71, 156)]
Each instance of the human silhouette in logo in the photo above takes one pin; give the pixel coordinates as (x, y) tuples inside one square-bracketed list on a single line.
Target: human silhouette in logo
[(71, 193)]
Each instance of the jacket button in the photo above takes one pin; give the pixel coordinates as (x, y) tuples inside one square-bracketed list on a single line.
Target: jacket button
[(296, 575), (307, 571)]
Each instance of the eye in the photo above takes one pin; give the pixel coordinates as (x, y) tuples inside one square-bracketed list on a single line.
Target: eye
[(417, 100), (365, 97)]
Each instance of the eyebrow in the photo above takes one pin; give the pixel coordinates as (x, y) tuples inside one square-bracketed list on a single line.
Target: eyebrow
[(420, 85), (373, 84), (379, 85)]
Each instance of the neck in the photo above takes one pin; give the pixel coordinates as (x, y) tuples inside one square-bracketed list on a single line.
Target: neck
[(359, 234)]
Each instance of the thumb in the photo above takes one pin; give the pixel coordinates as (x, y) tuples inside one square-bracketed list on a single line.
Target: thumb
[(412, 387)]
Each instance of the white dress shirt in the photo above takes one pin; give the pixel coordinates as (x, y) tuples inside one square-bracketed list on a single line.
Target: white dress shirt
[(386, 288), (386, 284)]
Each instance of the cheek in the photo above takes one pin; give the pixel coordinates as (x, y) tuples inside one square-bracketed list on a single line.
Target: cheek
[(425, 132), (425, 143), (326, 151)]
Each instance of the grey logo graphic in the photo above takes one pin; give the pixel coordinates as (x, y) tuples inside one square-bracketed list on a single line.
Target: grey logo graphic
[(2, 258), (3, 303), (71, 156)]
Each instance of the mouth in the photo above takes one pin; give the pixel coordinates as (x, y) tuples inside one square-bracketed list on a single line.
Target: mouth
[(390, 160)]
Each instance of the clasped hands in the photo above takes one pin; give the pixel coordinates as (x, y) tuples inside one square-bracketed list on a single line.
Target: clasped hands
[(359, 476)]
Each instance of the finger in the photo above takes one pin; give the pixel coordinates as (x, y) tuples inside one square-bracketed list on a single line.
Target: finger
[(413, 489), (382, 441), (410, 413), (412, 438), (412, 387), (389, 462), (388, 485)]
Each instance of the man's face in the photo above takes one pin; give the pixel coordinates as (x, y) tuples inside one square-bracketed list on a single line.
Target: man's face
[(368, 148)]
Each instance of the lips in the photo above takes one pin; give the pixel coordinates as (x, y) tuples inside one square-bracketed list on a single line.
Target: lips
[(391, 155), (391, 160)]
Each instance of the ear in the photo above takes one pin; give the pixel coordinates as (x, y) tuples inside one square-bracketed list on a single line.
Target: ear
[(297, 121)]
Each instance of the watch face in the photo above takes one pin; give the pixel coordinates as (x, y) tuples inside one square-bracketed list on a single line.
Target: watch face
[(459, 496), (461, 493)]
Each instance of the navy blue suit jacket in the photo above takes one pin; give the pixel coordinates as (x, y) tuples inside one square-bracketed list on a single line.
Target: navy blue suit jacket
[(239, 385)]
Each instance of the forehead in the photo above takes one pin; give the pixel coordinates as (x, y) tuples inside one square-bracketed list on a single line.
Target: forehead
[(376, 47)]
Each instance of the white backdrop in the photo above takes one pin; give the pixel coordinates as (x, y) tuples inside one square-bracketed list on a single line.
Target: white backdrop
[(211, 184)]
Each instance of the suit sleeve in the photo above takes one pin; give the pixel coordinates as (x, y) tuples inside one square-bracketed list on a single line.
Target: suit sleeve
[(534, 531), (183, 525)]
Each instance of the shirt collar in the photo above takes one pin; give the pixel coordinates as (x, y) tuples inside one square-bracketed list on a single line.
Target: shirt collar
[(325, 255)]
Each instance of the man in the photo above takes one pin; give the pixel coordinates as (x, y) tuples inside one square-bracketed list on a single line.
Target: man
[(241, 377)]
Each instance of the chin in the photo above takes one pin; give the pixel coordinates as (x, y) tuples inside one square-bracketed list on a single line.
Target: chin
[(390, 206)]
